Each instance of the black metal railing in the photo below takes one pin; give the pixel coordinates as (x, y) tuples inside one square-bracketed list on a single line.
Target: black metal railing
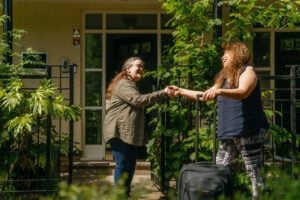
[(44, 144), (283, 102)]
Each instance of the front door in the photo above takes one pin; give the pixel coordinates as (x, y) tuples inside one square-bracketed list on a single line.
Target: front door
[(122, 46), (287, 53)]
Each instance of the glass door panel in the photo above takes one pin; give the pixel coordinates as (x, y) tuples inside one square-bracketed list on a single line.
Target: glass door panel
[(93, 144), (93, 84), (93, 127)]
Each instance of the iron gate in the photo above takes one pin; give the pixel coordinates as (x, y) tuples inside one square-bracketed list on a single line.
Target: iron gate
[(51, 137)]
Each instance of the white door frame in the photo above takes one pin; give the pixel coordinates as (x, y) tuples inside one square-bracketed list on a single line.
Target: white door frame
[(97, 152)]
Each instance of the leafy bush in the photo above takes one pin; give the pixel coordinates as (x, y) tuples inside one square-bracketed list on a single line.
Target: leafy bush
[(87, 192), (25, 122)]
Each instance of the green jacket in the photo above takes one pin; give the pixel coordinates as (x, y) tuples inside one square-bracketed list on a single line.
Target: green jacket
[(125, 113)]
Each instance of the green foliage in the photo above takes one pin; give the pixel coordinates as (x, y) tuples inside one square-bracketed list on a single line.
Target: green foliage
[(24, 121), (102, 191), (192, 61), (243, 15), (88, 192), (279, 186), (281, 137)]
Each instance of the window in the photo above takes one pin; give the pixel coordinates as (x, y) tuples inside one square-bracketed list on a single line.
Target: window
[(131, 21), (165, 18), (93, 51), (93, 127), (286, 44), (93, 88), (261, 49), (93, 21), (36, 60)]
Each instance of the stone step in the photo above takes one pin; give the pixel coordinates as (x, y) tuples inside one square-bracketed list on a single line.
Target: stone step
[(91, 171), (101, 173), (107, 167)]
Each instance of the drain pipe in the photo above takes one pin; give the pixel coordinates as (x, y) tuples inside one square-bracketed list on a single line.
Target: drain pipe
[(7, 29)]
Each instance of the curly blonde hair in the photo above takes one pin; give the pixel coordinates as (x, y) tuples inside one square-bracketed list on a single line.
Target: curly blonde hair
[(123, 74), (232, 73)]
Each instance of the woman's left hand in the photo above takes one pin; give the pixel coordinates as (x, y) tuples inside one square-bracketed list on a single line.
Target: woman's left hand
[(210, 94)]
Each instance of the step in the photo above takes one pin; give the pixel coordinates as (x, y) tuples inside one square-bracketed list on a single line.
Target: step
[(107, 167), (101, 173), (91, 171)]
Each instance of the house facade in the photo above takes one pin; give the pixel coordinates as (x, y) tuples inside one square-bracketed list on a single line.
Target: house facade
[(97, 35)]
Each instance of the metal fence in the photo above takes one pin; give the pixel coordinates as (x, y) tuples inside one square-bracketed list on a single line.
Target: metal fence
[(45, 144), (281, 100)]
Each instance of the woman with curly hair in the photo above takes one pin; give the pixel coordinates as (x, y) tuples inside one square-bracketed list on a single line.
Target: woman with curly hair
[(241, 120)]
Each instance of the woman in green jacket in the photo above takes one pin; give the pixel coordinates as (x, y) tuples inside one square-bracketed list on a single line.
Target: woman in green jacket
[(124, 119)]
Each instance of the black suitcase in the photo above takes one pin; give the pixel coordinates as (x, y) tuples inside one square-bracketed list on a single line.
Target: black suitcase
[(204, 180)]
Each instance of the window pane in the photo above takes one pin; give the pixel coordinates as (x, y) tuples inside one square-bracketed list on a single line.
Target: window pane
[(93, 21), (297, 44), (261, 49), (146, 47), (93, 127), (164, 20), (34, 60), (131, 21), (93, 87), (166, 42), (93, 51), (286, 44)]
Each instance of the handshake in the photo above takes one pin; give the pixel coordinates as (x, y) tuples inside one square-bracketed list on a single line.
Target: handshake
[(206, 95), (172, 91)]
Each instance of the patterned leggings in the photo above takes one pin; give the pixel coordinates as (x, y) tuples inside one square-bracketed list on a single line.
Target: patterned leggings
[(251, 152)]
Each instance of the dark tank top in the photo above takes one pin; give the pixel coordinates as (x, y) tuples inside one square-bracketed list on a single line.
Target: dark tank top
[(241, 117)]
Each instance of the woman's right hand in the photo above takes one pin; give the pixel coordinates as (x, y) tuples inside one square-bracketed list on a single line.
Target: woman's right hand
[(172, 90)]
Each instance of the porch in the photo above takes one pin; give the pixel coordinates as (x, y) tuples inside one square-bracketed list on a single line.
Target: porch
[(101, 173)]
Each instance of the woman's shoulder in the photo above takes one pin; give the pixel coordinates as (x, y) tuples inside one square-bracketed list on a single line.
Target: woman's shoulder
[(249, 74), (124, 85), (122, 82), (249, 69), (126, 81)]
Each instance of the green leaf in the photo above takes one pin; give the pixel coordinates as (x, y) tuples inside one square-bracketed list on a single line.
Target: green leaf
[(20, 124)]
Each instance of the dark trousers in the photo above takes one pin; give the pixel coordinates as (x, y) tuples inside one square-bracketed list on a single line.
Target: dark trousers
[(250, 149), (125, 157)]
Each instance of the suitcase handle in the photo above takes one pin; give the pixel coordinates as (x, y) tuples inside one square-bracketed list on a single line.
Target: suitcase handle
[(197, 126), (198, 132)]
